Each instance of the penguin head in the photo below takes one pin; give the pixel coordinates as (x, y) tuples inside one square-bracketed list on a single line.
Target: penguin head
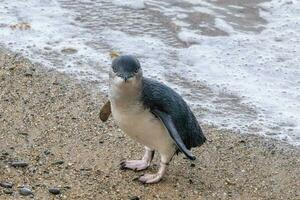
[(126, 70)]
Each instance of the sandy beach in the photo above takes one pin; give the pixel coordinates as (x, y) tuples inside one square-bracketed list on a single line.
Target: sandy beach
[(50, 122)]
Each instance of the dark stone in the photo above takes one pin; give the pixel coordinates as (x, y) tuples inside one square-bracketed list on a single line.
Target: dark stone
[(25, 191), (47, 152), (19, 164), (273, 152), (59, 162), (134, 198), (28, 73), (7, 191), (193, 165), (54, 191), (6, 184), (23, 133)]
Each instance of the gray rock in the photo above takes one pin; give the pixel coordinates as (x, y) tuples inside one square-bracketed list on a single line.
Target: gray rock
[(7, 191), (134, 198), (6, 184), (58, 162), (25, 191), (19, 163), (23, 133), (47, 152), (29, 72), (54, 191)]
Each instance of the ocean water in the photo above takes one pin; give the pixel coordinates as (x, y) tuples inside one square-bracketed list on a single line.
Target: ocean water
[(236, 62)]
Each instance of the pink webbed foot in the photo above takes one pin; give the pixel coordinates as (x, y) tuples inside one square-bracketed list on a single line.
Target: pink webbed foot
[(150, 178), (136, 165), (154, 178)]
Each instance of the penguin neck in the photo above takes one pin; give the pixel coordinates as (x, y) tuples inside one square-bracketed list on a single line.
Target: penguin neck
[(125, 96)]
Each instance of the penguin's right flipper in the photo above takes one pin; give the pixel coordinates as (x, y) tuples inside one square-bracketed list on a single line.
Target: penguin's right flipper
[(105, 111), (168, 122)]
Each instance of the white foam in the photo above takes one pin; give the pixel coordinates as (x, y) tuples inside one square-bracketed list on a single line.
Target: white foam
[(190, 37), (262, 68), (134, 4), (180, 23), (204, 10), (51, 30), (236, 7), (224, 26), (205, 4)]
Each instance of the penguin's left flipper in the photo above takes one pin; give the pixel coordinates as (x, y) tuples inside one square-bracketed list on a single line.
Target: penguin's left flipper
[(168, 122), (105, 111)]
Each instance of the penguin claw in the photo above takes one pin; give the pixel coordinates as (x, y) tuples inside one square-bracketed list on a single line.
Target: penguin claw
[(136, 178), (150, 178), (123, 165), (135, 165)]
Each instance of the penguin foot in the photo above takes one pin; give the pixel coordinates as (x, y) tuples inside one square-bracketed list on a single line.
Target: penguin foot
[(154, 178), (136, 165), (150, 178)]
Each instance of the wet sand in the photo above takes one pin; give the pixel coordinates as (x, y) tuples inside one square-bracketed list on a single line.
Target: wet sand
[(51, 122)]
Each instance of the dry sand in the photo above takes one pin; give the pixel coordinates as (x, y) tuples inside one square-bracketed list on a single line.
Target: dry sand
[(51, 122)]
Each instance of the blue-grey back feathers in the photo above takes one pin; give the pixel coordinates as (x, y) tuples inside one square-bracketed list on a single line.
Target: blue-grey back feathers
[(158, 96)]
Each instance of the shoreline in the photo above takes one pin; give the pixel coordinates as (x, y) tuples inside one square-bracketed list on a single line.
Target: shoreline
[(46, 118)]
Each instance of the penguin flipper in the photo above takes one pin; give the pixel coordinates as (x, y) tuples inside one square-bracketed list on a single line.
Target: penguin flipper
[(105, 111), (168, 122)]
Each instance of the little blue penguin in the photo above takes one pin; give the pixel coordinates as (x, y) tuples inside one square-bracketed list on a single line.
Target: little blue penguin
[(151, 113)]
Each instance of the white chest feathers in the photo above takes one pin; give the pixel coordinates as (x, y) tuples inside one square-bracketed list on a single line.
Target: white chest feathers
[(140, 124)]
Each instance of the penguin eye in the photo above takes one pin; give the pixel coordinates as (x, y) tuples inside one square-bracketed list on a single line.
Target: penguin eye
[(114, 69), (136, 70)]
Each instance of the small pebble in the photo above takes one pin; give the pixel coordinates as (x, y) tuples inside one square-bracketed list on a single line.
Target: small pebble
[(23, 133), (25, 191), (47, 152), (6, 184), (28, 73), (59, 162), (193, 165), (11, 67), (8, 191), (54, 191), (134, 198), (19, 164)]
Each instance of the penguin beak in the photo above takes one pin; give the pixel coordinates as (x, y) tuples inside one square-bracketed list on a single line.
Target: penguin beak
[(126, 77)]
